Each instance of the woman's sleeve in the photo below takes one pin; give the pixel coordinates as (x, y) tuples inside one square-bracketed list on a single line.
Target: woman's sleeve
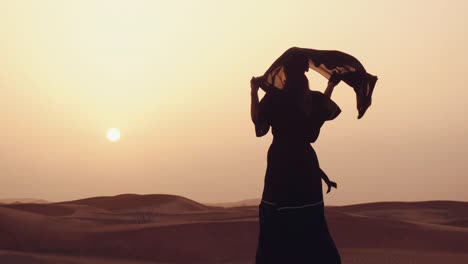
[(328, 109), (322, 109), (262, 125)]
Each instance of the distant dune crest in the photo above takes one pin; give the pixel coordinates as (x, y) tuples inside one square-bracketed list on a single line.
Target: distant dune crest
[(23, 200), (246, 202), (125, 202)]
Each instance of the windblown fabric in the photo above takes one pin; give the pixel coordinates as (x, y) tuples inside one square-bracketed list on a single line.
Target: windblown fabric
[(325, 62)]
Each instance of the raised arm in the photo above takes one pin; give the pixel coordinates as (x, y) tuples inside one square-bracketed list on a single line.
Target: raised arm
[(329, 183), (254, 99), (332, 82)]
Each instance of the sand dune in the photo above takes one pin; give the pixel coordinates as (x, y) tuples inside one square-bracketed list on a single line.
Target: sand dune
[(135, 202), (351, 231), (23, 200), (44, 209), (435, 212), (395, 256), (15, 257), (174, 229), (246, 202)]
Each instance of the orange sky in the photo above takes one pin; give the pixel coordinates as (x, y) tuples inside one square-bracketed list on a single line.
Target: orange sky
[(173, 76)]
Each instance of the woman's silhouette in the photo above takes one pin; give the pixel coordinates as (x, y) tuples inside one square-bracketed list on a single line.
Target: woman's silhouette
[(293, 228)]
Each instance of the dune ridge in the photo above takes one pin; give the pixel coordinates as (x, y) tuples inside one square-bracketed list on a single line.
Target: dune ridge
[(163, 202), (23, 200)]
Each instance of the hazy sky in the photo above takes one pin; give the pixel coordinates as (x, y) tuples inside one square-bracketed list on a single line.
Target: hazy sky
[(173, 76)]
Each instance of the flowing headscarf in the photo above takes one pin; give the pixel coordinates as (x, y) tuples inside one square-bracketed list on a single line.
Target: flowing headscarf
[(330, 64)]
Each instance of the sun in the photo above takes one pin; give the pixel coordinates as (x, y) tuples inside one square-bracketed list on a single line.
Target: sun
[(113, 134)]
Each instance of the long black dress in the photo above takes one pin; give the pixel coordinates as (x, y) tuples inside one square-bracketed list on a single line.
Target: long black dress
[(293, 228)]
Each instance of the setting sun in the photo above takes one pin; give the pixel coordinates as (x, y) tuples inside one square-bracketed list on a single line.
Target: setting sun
[(113, 134)]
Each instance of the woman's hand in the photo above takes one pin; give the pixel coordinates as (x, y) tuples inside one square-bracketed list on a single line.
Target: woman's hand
[(254, 85), (334, 79), (254, 99), (331, 184)]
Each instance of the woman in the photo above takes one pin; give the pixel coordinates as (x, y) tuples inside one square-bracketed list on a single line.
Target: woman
[(293, 228)]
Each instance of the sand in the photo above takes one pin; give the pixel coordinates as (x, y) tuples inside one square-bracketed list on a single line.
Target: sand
[(138, 229)]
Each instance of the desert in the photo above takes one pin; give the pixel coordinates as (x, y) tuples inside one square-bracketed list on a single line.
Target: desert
[(161, 228)]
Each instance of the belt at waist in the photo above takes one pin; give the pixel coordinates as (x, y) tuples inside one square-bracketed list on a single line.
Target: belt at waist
[(289, 140), (290, 207)]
